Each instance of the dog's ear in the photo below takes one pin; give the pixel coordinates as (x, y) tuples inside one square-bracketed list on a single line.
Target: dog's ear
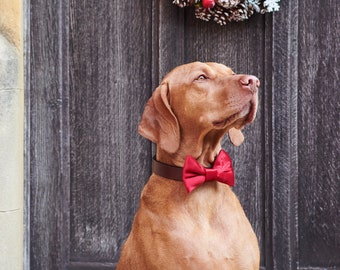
[(236, 136), (158, 123)]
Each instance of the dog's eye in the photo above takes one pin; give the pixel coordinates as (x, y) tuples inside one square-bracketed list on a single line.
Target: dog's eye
[(202, 77)]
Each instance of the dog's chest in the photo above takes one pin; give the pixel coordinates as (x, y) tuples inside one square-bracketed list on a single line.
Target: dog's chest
[(198, 244), (203, 223), (206, 229)]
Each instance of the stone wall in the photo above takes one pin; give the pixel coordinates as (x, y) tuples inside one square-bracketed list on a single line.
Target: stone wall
[(11, 135)]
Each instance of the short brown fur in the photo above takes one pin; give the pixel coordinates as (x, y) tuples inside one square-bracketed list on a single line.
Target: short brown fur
[(188, 114)]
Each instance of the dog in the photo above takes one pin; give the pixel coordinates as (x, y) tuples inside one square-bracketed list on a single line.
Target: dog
[(176, 227)]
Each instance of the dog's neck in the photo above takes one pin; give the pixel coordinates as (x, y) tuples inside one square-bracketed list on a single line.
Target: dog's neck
[(204, 149)]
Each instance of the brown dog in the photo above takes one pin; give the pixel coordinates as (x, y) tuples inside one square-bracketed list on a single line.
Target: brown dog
[(188, 114)]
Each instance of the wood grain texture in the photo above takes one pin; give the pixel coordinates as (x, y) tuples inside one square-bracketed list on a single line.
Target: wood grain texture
[(281, 137), (110, 162), (319, 135), (93, 65), (48, 175)]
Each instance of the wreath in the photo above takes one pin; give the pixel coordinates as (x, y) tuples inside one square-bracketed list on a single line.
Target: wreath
[(223, 11)]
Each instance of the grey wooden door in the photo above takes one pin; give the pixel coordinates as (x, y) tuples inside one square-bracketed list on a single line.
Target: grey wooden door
[(90, 68)]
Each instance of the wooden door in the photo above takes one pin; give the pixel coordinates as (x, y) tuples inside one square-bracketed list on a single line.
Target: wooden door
[(90, 68)]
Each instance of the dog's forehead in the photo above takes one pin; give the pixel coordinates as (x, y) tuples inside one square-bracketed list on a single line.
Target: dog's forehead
[(196, 68)]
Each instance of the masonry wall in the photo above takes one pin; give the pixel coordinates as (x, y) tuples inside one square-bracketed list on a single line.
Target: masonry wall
[(11, 135)]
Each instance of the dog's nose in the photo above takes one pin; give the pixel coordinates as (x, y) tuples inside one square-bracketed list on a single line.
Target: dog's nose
[(250, 82)]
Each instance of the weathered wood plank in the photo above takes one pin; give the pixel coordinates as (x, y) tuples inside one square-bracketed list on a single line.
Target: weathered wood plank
[(171, 37), (319, 134), (110, 84), (90, 266), (85, 101), (47, 148), (281, 136)]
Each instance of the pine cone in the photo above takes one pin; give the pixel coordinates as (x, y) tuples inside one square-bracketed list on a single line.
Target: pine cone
[(229, 10), (203, 13), (182, 3), (228, 3), (222, 15)]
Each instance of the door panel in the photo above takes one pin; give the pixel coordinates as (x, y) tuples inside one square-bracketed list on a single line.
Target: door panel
[(319, 122), (110, 82), (91, 67)]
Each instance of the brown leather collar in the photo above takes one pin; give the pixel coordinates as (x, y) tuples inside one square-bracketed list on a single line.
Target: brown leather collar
[(167, 171)]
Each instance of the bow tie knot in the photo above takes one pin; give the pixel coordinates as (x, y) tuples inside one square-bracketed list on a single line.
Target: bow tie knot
[(194, 174)]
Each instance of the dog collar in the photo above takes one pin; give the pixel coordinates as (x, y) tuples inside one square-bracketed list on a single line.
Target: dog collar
[(194, 174), (167, 171)]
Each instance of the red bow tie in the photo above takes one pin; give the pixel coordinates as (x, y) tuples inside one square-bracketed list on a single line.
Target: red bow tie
[(194, 174)]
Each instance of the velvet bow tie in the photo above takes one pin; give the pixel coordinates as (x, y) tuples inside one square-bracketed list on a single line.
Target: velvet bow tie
[(194, 174)]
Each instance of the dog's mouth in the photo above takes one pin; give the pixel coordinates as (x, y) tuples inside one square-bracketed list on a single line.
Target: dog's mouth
[(247, 112), (253, 110)]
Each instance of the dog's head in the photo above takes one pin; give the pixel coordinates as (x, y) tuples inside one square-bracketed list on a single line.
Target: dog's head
[(199, 99)]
